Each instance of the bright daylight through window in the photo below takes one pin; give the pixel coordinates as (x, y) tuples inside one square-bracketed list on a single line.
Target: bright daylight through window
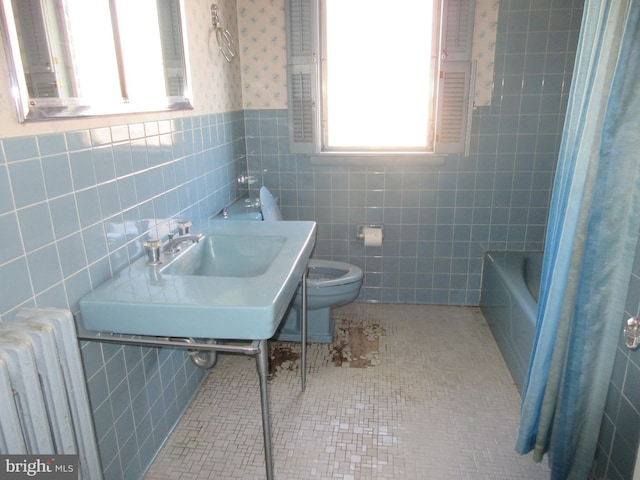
[(378, 75), (73, 58), (96, 63), (369, 79)]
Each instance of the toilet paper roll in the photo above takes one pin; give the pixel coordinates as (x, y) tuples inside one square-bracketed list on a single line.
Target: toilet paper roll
[(372, 236)]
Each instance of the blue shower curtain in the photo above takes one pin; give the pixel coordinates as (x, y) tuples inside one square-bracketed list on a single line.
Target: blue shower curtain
[(591, 240)]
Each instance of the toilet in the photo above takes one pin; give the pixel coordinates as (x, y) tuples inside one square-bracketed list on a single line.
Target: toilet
[(329, 284)]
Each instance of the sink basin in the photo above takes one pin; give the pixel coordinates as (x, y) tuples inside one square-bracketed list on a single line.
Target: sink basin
[(223, 255), (236, 283)]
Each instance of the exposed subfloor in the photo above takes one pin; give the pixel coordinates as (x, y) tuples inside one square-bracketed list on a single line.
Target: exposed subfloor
[(404, 392)]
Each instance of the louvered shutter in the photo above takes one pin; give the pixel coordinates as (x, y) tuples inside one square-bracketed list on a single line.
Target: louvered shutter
[(39, 66), (172, 48), (454, 76), (457, 29), (302, 47)]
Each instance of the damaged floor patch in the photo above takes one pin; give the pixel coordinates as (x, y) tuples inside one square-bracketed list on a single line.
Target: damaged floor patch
[(283, 356), (356, 345)]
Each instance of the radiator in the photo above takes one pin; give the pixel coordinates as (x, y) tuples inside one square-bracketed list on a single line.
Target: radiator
[(44, 406)]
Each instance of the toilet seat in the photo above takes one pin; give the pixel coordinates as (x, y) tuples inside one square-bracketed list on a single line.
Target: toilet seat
[(328, 273)]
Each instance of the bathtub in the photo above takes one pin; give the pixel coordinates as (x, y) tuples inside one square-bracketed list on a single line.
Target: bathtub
[(509, 302)]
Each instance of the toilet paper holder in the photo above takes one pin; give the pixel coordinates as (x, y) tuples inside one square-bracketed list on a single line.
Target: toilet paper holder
[(360, 230)]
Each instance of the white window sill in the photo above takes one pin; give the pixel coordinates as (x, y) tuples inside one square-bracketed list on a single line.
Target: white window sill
[(388, 159)]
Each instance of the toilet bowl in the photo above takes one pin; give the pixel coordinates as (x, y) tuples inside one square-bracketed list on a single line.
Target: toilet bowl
[(329, 284)]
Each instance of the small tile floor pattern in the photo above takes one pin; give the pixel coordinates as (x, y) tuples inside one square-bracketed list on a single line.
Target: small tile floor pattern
[(404, 392)]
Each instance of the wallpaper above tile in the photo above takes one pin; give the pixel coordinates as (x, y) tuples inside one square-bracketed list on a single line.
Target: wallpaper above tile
[(264, 54), (484, 46), (215, 82), (261, 30)]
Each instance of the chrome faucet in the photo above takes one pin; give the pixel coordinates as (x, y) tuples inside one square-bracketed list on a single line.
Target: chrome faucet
[(184, 235), (173, 245)]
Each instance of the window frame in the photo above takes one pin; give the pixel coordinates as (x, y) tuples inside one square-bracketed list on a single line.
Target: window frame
[(304, 69), (325, 148), (67, 107)]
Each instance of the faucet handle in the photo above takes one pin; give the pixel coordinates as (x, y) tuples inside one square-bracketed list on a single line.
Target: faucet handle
[(152, 247), (184, 227)]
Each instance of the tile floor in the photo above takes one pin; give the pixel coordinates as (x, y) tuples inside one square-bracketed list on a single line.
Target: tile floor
[(404, 392)]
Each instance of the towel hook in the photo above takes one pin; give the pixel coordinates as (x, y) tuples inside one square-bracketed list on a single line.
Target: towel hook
[(225, 42), (632, 333)]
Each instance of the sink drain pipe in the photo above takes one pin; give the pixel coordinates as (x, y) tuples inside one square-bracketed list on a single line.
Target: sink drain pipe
[(202, 358)]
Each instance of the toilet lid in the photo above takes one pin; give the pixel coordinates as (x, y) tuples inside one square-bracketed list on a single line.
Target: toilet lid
[(270, 209)]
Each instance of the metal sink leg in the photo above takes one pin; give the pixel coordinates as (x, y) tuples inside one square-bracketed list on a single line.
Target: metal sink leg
[(303, 333), (262, 363)]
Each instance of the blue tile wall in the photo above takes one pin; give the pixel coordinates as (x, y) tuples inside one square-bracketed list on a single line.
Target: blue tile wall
[(75, 208), (619, 433), (438, 221)]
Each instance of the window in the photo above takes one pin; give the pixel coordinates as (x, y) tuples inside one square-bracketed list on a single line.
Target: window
[(374, 77), (77, 57)]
